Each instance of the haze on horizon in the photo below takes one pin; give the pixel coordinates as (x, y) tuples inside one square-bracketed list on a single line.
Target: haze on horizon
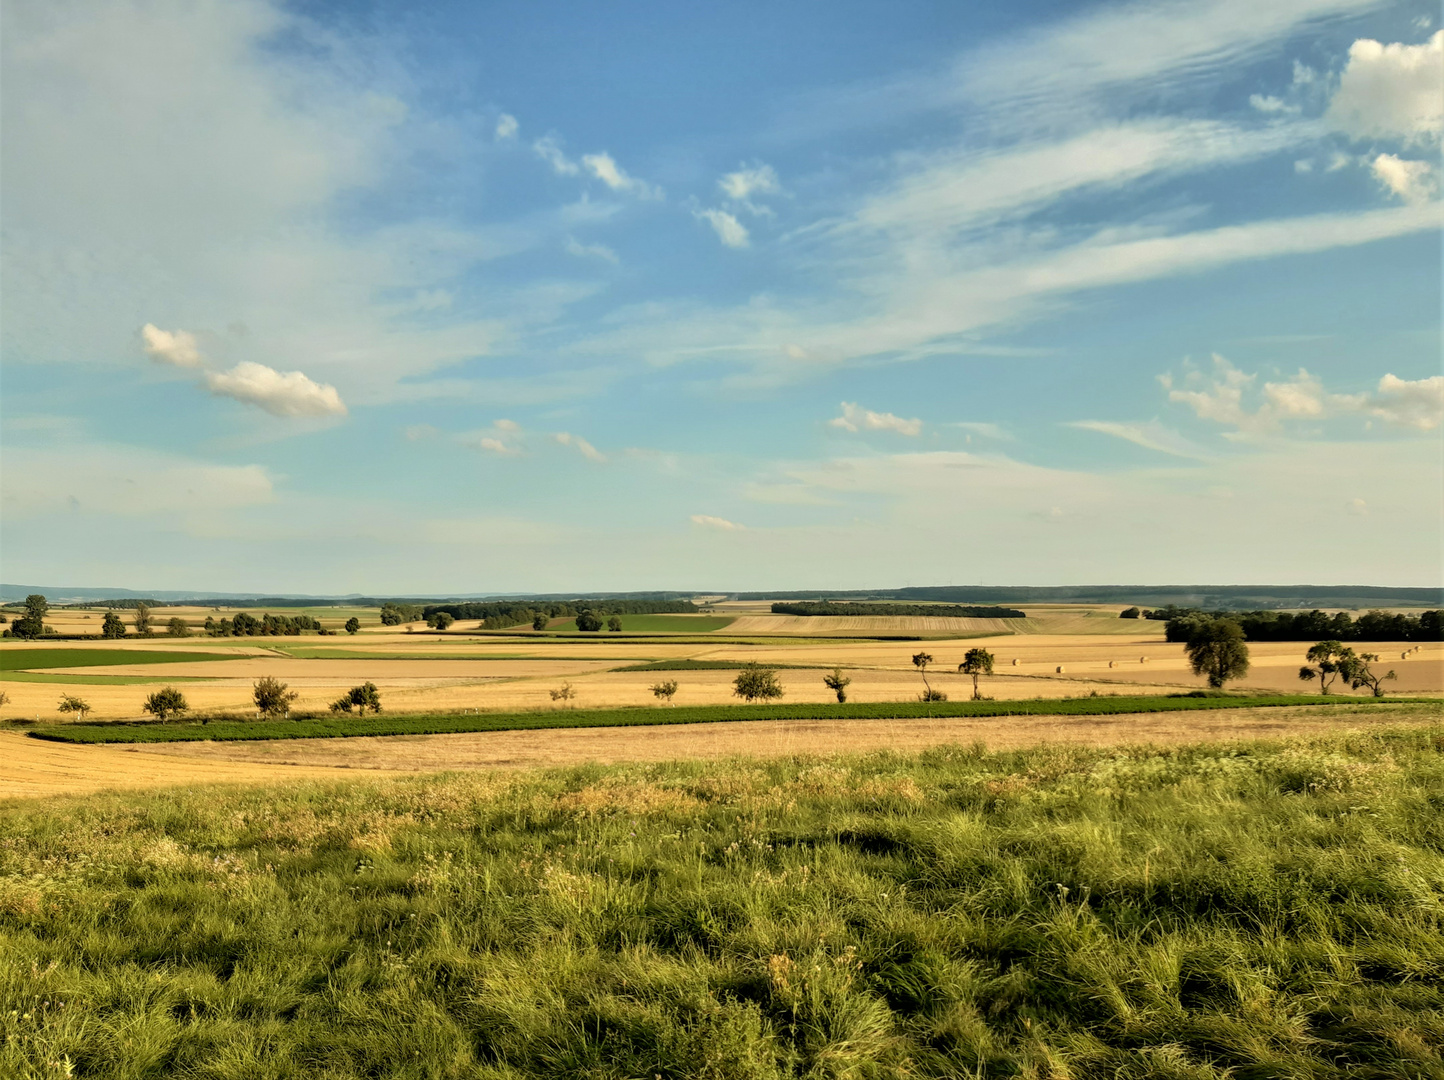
[(312, 298)]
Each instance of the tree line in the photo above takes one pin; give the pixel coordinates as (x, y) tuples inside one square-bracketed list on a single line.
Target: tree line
[(1312, 625), (944, 611), (499, 615)]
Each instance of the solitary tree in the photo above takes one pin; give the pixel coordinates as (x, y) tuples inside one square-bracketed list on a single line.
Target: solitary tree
[(32, 623), (273, 699), (444, 619), (588, 621), (4, 699), (177, 627), (112, 627), (1216, 648), (921, 661), (353, 624), (539, 621), (1356, 670), (364, 697), (755, 682), (166, 703), (614, 623), (977, 662), (565, 692), (69, 703), (142, 619), (837, 683), (1328, 659), (665, 690)]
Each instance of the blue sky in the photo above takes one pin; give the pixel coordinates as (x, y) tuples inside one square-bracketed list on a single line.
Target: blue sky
[(513, 297)]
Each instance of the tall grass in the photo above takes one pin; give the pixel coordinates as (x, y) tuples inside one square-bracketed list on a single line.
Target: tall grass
[(1260, 910)]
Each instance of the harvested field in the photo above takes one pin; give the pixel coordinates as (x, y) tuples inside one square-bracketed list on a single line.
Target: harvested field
[(849, 625)]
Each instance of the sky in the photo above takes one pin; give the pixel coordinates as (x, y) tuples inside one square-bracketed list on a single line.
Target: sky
[(452, 299)]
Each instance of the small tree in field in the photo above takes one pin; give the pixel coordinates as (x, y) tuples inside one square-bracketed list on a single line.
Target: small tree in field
[(166, 703), (921, 661), (353, 624), (1216, 648), (665, 690), (588, 622), (565, 692), (755, 682), (539, 621), (977, 662), (69, 703), (111, 626), (1329, 659), (142, 620), (1356, 671), (273, 699), (4, 699), (837, 683), (177, 627), (614, 624), (1130, 613)]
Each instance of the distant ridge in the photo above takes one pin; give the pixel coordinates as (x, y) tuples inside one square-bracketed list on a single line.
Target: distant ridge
[(1216, 597)]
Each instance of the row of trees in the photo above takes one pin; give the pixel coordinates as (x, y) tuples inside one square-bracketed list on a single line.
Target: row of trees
[(949, 611), (502, 614), (273, 700), (1309, 625)]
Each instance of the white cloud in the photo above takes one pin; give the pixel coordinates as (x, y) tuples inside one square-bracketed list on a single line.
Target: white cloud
[(176, 347), (742, 185), (591, 251), (605, 169), (289, 395), (1416, 404), (729, 230), (1412, 181), (1391, 91), (1267, 103), (707, 521), (550, 151), (588, 451), (855, 418), (506, 126), (494, 445), (1151, 436)]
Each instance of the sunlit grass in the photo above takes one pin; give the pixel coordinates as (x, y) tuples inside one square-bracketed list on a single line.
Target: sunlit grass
[(1260, 910)]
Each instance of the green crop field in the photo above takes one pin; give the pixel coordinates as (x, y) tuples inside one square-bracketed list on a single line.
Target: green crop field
[(1272, 909), (21, 659), (711, 665), (342, 727)]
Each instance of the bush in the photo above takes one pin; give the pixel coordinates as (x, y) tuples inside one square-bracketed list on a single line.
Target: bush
[(1130, 613), (838, 684), (565, 692), (588, 622), (177, 628), (932, 695), (69, 703), (614, 624), (164, 704), (665, 690), (353, 624), (112, 627), (539, 621), (755, 682)]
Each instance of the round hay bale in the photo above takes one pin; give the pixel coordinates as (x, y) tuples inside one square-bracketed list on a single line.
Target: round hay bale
[(1060, 669), (1015, 661), (1143, 659), (1110, 663)]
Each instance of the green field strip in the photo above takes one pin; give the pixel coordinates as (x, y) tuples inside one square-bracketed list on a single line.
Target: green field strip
[(453, 723), (13, 659), (99, 680)]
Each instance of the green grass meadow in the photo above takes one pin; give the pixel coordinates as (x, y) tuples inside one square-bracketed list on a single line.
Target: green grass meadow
[(1247, 911), (18, 659)]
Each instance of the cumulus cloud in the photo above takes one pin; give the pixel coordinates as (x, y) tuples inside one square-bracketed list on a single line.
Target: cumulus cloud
[(707, 521), (1267, 103), (1412, 181), (1391, 91), (506, 126), (729, 230), (855, 418), (288, 395), (176, 347), (605, 169), (1416, 404), (591, 251), (588, 451), (550, 151)]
